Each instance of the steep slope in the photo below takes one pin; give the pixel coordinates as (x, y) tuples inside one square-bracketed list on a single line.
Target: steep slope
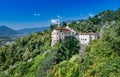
[(102, 58), (94, 24), (24, 49), (33, 56), (43, 62)]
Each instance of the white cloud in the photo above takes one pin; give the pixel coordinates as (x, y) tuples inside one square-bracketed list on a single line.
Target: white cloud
[(58, 16), (91, 15), (36, 14), (54, 21)]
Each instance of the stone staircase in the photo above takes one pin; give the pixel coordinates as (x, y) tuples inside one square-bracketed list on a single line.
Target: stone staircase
[(82, 49)]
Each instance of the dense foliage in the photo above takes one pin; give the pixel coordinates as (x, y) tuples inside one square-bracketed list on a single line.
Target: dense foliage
[(43, 63), (102, 58), (24, 49), (94, 24), (68, 68), (67, 49), (32, 56)]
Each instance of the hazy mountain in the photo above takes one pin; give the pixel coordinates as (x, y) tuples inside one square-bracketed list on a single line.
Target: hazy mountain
[(31, 30), (5, 31)]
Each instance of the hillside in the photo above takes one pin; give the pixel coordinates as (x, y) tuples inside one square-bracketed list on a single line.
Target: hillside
[(102, 58), (5, 31), (27, 52), (94, 24), (33, 56)]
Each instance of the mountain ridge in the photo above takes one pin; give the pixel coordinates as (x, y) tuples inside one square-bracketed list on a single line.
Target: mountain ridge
[(6, 31), (27, 31)]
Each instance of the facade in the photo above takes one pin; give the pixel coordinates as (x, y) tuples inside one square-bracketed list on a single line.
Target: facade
[(85, 38), (64, 34), (73, 31), (60, 34)]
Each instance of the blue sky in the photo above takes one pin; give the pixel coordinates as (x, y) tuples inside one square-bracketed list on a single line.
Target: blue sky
[(18, 14)]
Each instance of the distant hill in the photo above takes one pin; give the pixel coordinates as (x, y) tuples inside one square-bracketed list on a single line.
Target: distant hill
[(5, 31), (27, 31)]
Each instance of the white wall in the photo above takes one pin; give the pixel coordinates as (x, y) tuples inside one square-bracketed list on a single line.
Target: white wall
[(93, 37), (55, 35), (84, 39)]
